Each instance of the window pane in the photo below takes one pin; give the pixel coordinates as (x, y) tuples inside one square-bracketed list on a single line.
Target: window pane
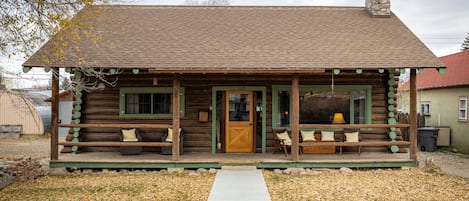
[(239, 107), (462, 103), (318, 107), (359, 102), (462, 114), (283, 109), (138, 103), (162, 103)]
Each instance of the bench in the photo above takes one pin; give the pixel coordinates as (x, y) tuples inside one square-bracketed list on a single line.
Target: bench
[(117, 143), (341, 143), (356, 144)]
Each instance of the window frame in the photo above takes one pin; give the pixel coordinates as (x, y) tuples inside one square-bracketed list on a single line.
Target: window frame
[(152, 90), (422, 111), (340, 88), (462, 109)]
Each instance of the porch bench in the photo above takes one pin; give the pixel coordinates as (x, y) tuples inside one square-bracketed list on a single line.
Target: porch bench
[(356, 144), (117, 143)]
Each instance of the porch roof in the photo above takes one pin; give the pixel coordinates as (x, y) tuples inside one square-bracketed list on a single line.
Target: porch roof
[(234, 39)]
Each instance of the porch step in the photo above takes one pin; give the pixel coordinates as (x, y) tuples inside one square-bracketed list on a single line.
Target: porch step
[(238, 167), (239, 162)]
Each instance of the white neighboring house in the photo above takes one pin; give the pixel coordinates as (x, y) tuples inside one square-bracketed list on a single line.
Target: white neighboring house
[(443, 98)]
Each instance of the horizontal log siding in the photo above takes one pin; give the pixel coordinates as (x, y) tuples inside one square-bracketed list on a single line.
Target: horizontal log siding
[(103, 106)]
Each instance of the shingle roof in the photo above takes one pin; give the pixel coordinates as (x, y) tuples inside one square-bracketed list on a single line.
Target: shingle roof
[(203, 38), (457, 73)]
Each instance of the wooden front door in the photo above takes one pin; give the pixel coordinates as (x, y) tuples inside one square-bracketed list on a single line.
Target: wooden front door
[(239, 122)]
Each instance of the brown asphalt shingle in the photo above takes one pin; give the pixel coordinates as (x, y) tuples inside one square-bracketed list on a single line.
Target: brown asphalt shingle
[(201, 38)]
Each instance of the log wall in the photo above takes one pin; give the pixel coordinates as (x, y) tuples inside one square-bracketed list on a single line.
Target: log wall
[(103, 106)]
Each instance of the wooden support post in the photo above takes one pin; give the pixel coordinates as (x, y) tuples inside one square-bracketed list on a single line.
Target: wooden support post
[(413, 114), (54, 128), (295, 117), (176, 115)]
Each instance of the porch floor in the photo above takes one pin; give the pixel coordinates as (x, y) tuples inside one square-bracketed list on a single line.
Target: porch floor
[(209, 160)]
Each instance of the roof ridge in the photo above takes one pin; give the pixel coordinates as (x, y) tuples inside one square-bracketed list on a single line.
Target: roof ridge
[(223, 6)]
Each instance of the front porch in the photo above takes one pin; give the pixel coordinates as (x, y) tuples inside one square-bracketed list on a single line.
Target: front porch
[(208, 160)]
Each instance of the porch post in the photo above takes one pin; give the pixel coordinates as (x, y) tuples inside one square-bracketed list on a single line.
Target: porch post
[(413, 114), (54, 128), (295, 117), (176, 109)]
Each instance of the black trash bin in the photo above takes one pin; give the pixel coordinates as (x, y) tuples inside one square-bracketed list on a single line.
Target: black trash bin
[(427, 138)]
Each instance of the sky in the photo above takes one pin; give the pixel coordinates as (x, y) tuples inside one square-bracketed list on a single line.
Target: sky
[(442, 26)]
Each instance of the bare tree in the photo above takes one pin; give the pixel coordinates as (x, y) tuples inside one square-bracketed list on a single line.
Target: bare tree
[(25, 25), (465, 44), (207, 2)]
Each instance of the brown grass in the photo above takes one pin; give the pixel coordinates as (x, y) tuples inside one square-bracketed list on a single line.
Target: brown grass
[(121, 186), (413, 184)]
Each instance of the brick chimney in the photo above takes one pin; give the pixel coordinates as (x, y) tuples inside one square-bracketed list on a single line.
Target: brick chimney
[(378, 8)]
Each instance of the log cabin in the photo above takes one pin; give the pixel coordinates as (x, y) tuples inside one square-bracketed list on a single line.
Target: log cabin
[(229, 77)]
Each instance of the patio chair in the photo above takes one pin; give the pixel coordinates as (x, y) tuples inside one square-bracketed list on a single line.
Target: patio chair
[(130, 135), (169, 150), (282, 141)]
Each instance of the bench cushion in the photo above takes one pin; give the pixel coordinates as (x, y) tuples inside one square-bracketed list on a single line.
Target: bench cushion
[(351, 137), (327, 136), (307, 135)]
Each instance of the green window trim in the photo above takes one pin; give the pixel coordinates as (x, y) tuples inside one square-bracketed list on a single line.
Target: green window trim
[(339, 88), (133, 90)]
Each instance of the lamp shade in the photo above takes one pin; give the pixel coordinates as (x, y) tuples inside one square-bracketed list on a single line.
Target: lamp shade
[(338, 118)]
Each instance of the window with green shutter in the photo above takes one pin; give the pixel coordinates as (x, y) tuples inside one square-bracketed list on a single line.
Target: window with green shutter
[(148, 102)]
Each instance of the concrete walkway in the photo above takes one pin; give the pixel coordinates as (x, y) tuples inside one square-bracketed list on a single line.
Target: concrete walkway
[(233, 185)]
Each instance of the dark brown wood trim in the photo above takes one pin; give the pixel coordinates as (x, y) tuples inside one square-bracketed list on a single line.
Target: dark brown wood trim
[(54, 128), (354, 126), (176, 118), (295, 118), (362, 143), (413, 114), (116, 125), (116, 144)]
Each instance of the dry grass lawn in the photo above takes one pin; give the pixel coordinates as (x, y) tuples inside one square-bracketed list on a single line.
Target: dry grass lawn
[(117, 186), (413, 184)]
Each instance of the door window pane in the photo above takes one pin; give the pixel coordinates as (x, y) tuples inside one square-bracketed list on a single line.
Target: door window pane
[(284, 108), (239, 107)]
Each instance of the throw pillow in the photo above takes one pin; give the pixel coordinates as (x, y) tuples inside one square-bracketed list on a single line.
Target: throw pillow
[(169, 138), (308, 135), (327, 136), (129, 135), (284, 136), (351, 137)]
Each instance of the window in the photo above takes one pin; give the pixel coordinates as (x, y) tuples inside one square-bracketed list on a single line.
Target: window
[(318, 104), (425, 108), (148, 102), (463, 109)]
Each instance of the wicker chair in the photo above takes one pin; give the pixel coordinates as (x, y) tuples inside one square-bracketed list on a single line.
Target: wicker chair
[(130, 150), (169, 150)]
